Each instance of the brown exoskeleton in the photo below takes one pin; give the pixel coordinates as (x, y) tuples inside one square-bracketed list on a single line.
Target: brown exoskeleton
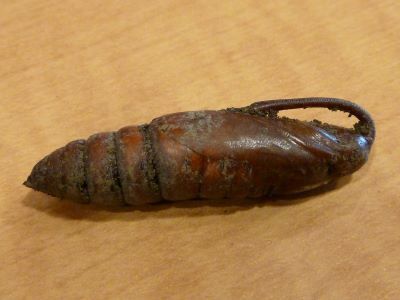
[(237, 152)]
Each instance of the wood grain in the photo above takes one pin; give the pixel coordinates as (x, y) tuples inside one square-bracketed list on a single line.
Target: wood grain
[(73, 68)]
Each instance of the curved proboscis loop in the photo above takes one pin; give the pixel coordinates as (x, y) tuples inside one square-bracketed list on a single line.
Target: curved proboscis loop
[(365, 125)]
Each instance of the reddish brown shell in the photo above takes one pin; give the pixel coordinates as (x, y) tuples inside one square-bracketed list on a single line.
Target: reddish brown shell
[(233, 153)]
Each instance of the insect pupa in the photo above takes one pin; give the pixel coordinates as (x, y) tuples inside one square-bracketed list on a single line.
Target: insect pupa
[(244, 152)]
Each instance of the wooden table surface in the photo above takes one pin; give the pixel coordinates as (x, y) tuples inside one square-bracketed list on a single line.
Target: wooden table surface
[(73, 68)]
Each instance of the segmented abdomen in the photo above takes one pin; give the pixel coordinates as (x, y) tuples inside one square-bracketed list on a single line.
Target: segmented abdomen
[(117, 168)]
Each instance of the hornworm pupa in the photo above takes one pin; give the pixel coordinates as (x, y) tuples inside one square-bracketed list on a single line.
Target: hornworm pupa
[(244, 152)]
